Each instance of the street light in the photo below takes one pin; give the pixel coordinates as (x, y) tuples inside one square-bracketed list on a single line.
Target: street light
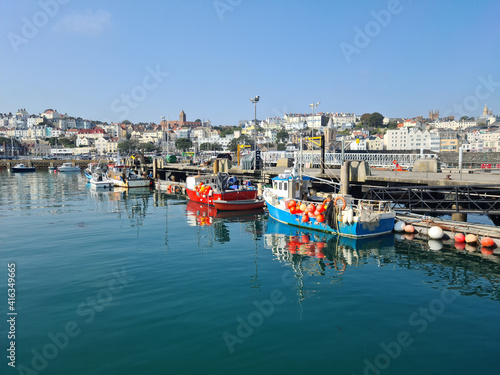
[(313, 105), (255, 101)]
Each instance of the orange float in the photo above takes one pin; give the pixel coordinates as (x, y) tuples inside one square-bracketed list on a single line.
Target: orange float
[(487, 242), (320, 218)]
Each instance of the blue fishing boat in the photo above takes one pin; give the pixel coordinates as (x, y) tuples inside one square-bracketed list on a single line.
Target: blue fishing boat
[(288, 202)]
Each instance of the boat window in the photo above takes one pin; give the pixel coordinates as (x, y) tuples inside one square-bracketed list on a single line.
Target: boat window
[(279, 185), (285, 186)]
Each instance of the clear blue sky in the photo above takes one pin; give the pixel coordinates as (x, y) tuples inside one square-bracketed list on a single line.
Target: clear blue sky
[(206, 57)]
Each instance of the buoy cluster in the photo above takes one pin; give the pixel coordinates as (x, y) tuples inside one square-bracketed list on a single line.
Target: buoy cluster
[(203, 190), (303, 245), (468, 242), (308, 211), (471, 241)]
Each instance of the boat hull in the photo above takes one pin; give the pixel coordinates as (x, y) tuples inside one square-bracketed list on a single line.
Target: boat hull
[(232, 195), (23, 170), (131, 183), (239, 205), (68, 170), (356, 230)]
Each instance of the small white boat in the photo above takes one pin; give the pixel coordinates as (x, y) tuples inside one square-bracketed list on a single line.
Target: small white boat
[(101, 181), (123, 176), (68, 167), (21, 168)]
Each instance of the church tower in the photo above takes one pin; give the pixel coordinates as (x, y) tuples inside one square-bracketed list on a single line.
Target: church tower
[(485, 110), (182, 118)]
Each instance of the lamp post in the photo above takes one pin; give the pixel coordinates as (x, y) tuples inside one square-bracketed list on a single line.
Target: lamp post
[(255, 101), (313, 105), (163, 143)]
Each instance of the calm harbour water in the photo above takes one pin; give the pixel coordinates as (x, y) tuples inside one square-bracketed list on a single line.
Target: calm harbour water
[(135, 282)]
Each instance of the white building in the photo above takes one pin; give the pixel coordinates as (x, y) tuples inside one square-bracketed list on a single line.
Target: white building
[(407, 139), (453, 125), (34, 120)]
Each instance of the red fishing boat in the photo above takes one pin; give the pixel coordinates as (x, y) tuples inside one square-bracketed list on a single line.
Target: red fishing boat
[(220, 187)]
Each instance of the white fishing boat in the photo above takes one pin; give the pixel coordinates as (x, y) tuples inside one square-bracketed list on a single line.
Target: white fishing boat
[(123, 176), (100, 181), (68, 167)]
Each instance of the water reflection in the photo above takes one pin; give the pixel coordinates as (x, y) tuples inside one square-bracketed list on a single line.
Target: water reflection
[(319, 254)]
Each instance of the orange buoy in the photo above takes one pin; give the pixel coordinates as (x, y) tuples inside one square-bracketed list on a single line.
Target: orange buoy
[(409, 228), (470, 238), (310, 208), (459, 237), (320, 218), (320, 208), (303, 207), (292, 203), (305, 218), (487, 242)]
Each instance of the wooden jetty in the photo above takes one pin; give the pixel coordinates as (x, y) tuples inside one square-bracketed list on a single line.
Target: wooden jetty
[(423, 223)]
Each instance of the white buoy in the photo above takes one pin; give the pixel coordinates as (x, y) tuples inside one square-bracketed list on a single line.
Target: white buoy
[(350, 215), (345, 214), (436, 233), (435, 245), (399, 226)]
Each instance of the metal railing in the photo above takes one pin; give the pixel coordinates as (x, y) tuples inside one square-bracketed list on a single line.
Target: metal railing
[(374, 160), (484, 199)]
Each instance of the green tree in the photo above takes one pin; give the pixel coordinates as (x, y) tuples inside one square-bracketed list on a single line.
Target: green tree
[(129, 146), (282, 136), (183, 144), (375, 120), (148, 147), (281, 147), (365, 117), (197, 120)]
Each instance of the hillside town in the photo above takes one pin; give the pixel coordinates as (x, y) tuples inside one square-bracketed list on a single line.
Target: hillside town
[(51, 134)]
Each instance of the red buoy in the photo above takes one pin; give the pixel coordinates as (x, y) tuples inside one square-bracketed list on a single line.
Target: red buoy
[(459, 237)]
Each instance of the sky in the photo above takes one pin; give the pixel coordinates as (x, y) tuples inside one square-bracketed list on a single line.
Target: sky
[(141, 60)]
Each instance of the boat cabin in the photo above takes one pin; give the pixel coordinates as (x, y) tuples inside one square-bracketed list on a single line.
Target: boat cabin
[(290, 186), (193, 181)]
